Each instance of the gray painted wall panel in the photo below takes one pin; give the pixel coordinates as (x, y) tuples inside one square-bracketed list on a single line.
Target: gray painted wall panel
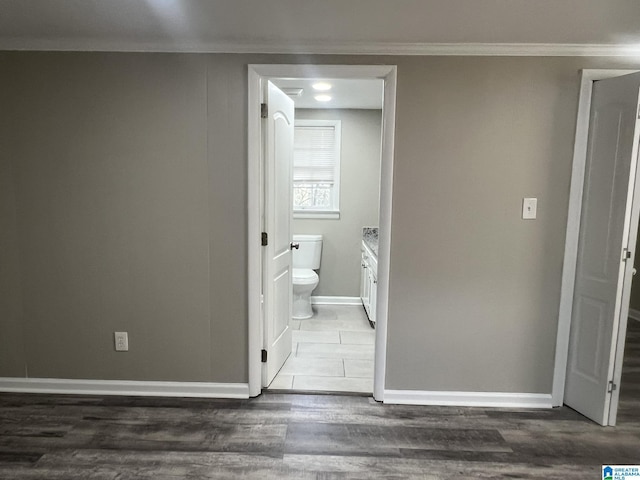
[(227, 107), (12, 357), (474, 289), (111, 168)]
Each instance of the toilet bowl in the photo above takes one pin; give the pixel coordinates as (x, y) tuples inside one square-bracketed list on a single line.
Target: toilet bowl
[(306, 259), (305, 281)]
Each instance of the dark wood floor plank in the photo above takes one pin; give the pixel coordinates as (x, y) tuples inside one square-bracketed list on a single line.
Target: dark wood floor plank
[(297, 437), (157, 465), (371, 440), (309, 437), (368, 468)]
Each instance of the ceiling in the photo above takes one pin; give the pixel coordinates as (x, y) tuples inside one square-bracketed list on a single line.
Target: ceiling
[(344, 93), (321, 26)]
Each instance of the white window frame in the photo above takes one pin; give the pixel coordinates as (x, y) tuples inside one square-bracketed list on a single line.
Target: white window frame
[(334, 212)]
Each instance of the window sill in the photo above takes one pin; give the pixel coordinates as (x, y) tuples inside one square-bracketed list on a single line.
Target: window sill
[(324, 215)]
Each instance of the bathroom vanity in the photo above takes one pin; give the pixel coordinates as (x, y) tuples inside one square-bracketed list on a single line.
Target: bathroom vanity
[(369, 272)]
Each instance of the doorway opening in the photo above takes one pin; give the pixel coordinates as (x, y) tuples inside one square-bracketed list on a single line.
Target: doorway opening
[(604, 207), (339, 204), (336, 179)]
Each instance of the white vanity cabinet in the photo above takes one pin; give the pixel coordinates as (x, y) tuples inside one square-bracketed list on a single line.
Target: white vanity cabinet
[(368, 281)]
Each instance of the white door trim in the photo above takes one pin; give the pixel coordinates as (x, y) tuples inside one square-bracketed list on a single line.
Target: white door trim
[(587, 77), (256, 74)]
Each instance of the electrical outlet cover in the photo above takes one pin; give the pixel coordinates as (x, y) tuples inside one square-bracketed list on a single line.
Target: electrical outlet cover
[(121, 340)]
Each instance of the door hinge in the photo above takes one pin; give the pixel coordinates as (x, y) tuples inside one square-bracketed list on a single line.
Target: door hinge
[(264, 110), (264, 356), (612, 386), (264, 239), (626, 254)]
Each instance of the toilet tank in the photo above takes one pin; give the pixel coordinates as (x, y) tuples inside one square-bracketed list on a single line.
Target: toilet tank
[(309, 253)]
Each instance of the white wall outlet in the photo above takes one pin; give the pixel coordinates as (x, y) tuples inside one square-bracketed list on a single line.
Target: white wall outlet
[(121, 341), (529, 208)]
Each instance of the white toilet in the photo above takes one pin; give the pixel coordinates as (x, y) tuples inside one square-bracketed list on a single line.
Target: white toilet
[(306, 259)]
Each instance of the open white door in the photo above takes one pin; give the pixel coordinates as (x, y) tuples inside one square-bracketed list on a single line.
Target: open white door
[(278, 129), (602, 263)]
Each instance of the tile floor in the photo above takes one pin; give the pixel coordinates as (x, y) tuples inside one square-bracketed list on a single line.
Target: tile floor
[(332, 352)]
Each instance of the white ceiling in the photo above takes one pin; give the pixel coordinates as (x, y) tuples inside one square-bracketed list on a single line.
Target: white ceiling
[(344, 93), (320, 26)]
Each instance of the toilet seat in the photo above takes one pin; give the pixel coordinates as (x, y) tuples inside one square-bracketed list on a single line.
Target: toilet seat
[(304, 276)]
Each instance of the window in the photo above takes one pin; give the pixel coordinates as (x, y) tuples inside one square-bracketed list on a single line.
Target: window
[(316, 168)]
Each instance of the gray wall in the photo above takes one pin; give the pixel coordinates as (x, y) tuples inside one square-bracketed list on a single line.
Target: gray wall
[(12, 358), (129, 173), (359, 200), (121, 218), (475, 290)]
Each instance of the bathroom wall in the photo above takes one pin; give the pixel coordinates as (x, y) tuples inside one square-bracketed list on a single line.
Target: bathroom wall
[(359, 200), (129, 173)]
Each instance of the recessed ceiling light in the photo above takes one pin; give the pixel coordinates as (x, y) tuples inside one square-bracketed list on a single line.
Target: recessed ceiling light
[(321, 86), (323, 98)]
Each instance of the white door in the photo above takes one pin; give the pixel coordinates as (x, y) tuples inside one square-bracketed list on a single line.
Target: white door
[(277, 282), (598, 300)]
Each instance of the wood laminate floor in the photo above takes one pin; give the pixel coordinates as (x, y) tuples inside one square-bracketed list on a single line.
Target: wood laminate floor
[(319, 437)]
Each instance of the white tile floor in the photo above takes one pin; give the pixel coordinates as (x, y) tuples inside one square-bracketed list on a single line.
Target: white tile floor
[(332, 352)]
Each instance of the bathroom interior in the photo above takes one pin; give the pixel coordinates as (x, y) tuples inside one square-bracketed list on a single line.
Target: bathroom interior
[(336, 184)]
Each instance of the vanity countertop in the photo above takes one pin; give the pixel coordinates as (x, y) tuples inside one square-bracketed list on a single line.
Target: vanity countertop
[(370, 237)]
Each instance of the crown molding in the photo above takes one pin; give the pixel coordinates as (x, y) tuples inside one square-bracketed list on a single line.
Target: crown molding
[(326, 48)]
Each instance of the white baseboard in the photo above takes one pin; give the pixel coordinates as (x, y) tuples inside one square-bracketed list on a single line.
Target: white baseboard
[(124, 387), (635, 314), (336, 300), (468, 399)]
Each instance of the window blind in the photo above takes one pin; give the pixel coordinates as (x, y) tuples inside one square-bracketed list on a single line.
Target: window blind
[(314, 154)]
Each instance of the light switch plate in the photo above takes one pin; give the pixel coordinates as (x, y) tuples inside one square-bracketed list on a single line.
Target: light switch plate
[(529, 208)]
